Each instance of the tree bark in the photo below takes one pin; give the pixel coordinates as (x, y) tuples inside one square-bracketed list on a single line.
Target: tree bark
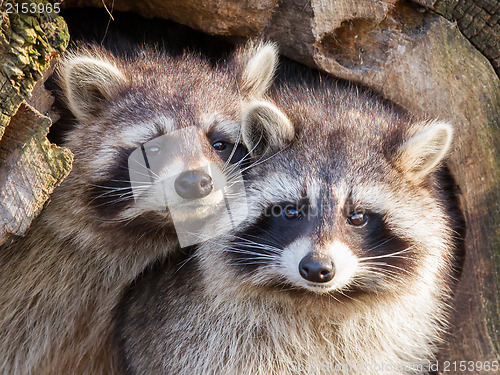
[(479, 21), (30, 167)]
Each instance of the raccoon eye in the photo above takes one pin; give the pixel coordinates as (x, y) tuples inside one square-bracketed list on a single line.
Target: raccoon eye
[(357, 220), (291, 213), (219, 146)]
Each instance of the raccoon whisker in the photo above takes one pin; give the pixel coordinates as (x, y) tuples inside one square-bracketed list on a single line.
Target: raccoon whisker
[(249, 252), (238, 250), (114, 201), (243, 159), (391, 275), (108, 194), (399, 268), (230, 171), (386, 275), (116, 193), (262, 277), (331, 296), (231, 175), (201, 237), (382, 243), (250, 261), (184, 262), (125, 220), (109, 187), (260, 161), (253, 260), (256, 143), (128, 182), (276, 246), (121, 220), (345, 295), (248, 242), (136, 172), (113, 193), (383, 264), (381, 271), (248, 154), (235, 146), (388, 256), (252, 246), (393, 255)]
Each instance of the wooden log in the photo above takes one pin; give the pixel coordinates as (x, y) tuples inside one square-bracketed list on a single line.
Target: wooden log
[(234, 17), (30, 167)]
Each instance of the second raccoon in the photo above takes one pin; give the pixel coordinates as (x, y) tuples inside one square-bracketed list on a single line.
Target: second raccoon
[(344, 262)]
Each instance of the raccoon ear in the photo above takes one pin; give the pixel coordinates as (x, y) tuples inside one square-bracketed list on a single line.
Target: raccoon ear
[(265, 127), (88, 82), (258, 71), (423, 152)]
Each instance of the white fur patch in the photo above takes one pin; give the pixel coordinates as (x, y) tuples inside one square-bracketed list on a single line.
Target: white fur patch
[(290, 259), (345, 262)]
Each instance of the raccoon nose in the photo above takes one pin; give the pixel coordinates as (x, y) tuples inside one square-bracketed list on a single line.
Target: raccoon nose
[(193, 184), (316, 268)]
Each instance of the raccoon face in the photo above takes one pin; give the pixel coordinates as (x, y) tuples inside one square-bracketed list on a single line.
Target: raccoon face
[(351, 206), (155, 128)]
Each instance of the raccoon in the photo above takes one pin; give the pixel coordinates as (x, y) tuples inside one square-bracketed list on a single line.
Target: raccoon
[(62, 280), (343, 264)]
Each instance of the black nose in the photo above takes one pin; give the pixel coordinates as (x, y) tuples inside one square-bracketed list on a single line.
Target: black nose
[(193, 184), (316, 268)]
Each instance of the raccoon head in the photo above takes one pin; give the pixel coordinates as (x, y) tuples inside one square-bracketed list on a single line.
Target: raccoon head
[(350, 205), (173, 121)]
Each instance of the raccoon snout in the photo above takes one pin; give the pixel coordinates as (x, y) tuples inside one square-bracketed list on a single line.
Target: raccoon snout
[(316, 268), (193, 184)]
